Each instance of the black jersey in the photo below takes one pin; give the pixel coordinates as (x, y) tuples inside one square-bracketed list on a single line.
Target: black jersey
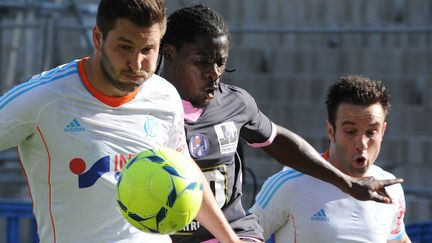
[(213, 141)]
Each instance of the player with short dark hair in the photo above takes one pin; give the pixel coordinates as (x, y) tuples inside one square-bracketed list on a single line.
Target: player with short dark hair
[(195, 51), (294, 207), (76, 125)]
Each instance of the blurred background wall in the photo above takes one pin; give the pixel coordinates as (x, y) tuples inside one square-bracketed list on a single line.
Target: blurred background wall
[(286, 53)]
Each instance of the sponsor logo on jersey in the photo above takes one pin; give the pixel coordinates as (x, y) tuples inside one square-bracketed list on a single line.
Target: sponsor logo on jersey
[(103, 165), (227, 137), (151, 127), (320, 216), (74, 126), (400, 215), (191, 227), (198, 146)]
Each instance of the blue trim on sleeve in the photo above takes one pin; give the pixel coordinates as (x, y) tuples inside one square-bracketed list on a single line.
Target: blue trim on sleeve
[(273, 184), (36, 81)]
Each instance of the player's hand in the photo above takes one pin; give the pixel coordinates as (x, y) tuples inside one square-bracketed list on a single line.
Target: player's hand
[(368, 188)]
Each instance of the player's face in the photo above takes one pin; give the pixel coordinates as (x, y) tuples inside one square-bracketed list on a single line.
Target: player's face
[(128, 55), (195, 68), (356, 141)]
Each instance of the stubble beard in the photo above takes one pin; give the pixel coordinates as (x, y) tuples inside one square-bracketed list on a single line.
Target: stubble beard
[(108, 74)]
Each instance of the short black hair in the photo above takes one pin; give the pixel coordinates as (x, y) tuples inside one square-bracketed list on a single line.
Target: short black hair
[(186, 24), (356, 90), (144, 13)]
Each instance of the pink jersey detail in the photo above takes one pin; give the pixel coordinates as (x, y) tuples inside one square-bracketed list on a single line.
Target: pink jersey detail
[(190, 112), (210, 241), (250, 239), (269, 140)]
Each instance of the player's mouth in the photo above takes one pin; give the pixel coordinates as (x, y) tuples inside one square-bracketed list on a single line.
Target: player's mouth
[(210, 93), (133, 77), (360, 162)]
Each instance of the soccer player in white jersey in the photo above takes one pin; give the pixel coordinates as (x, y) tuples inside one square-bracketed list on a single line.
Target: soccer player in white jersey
[(293, 207), (195, 50), (76, 125)]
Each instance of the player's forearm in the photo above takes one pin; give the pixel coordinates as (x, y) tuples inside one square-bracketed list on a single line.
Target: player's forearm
[(211, 216), (292, 150)]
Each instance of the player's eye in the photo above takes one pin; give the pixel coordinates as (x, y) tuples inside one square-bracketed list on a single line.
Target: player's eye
[(221, 63), (126, 47), (350, 132), (146, 50), (371, 133)]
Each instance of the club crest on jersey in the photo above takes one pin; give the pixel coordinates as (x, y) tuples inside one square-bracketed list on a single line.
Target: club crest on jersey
[(151, 127), (227, 137), (198, 146)]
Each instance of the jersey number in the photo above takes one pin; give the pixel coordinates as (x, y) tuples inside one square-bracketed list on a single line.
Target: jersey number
[(217, 178)]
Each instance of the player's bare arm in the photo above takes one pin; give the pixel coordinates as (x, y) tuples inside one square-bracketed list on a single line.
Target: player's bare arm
[(211, 216), (292, 150)]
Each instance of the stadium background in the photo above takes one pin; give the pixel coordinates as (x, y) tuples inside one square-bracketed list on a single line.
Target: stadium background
[(285, 53)]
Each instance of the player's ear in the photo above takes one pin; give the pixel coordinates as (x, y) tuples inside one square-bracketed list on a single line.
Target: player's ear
[(384, 127), (97, 37), (330, 131), (168, 51)]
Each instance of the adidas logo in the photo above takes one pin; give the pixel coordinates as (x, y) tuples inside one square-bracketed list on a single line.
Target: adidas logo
[(320, 216), (74, 126)]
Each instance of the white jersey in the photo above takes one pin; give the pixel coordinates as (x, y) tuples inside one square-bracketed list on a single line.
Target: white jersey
[(299, 208), (73, 141)]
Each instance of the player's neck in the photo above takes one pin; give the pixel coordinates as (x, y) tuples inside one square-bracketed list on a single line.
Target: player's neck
[(93, 71)]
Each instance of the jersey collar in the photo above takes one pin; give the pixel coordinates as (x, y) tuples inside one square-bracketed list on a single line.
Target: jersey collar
[(191, 113), (108, 100), (325, 155)]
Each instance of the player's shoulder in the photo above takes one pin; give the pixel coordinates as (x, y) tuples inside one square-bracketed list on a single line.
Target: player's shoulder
[(278, 186), (159, 83), (286, 178), (46, 85), (55, 80), (240, 93), (159, 80), (57, 75), (380, 173), (159, 90), (233, 89)]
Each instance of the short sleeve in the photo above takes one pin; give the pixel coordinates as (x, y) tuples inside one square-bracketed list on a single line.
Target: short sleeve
[(258, 128), (398, 225), (271, 206), (18, 116)]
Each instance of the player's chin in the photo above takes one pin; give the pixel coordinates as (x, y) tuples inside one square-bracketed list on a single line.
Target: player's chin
[(205, 102), (200, 102), (129, 87), (358, 172)]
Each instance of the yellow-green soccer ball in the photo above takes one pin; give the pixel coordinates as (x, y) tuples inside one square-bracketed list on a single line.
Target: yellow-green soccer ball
[(157, 192)]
